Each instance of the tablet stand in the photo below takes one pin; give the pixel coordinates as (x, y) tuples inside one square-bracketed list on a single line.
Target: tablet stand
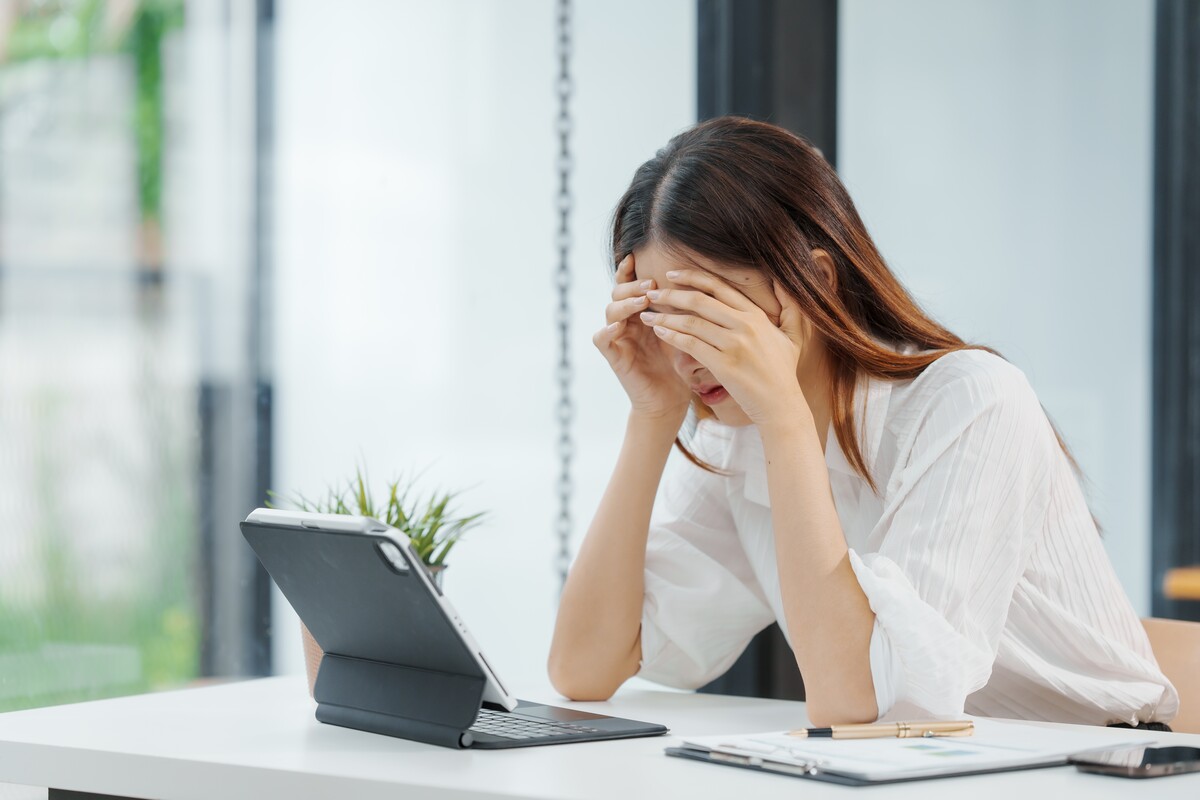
[(410, 703)]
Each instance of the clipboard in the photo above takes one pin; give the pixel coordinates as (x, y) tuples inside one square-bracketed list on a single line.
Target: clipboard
[(997, 746), (817, 773)]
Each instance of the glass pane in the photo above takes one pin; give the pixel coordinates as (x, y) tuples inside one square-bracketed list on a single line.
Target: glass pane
[(106, 307)]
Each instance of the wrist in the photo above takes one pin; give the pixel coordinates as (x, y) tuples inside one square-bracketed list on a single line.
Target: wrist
[(671, 419), (792, 417), (654, 428), (788, 434)]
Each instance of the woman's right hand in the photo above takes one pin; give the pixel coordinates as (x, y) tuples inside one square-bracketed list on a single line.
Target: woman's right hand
[(636, 355)]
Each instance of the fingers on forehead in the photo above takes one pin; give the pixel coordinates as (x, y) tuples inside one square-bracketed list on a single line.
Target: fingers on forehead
[(702, 279), (714, 284)]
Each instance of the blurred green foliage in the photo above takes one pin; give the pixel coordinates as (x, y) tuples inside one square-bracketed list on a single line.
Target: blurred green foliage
[(57, 30), (70, 642), (71, 29), (61, 638), (151, 24)]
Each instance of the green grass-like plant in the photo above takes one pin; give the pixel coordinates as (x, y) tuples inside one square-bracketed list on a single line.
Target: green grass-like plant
[(431, 524)]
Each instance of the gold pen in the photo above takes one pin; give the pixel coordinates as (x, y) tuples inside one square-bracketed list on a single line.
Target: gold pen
[(882, 730)]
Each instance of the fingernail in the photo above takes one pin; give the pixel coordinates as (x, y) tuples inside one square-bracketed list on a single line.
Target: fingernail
[(637, 301), (654, 294), (673, 274), (646, 284), (648, 316)]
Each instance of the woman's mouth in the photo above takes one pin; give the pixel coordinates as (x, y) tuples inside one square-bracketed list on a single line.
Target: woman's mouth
[(712, 394)]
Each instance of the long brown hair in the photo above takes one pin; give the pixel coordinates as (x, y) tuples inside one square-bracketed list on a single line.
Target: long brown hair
[(750, 194)]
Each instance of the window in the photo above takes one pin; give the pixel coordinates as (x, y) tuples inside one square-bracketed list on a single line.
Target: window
[(129, 383)]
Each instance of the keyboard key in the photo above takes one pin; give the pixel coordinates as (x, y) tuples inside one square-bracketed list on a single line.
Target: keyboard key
[(515, 726)]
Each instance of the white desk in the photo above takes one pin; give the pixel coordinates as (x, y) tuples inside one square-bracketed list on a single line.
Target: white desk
[(259, 739)]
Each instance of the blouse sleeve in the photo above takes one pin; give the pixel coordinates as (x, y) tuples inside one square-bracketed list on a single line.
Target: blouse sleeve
[(702, 603), (959, 521)]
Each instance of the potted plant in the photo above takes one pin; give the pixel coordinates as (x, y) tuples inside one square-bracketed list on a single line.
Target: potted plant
[(431, 525)]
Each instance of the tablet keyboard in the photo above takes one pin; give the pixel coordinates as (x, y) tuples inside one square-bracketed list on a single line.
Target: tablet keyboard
[(508, 725)]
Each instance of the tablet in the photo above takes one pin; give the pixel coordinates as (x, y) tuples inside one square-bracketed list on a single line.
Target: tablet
[(348, 577)]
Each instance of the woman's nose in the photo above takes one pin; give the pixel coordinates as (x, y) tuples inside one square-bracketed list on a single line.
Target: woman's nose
[(683, 363)]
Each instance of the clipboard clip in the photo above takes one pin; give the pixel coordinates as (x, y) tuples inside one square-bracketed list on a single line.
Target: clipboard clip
[(800, 768)]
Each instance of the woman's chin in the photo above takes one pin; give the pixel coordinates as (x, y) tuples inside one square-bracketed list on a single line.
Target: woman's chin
[(731, 414)]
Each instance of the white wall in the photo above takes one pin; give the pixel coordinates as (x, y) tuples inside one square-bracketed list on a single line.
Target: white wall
[(1000, 153), (414, 303)]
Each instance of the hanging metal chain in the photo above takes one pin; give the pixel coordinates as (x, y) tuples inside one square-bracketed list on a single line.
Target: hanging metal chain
[(566, 411)]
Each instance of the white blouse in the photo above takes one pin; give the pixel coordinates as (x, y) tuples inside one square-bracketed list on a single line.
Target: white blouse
[(990, 585)]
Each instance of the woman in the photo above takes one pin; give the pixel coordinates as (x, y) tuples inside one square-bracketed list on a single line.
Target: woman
[(895, 498)]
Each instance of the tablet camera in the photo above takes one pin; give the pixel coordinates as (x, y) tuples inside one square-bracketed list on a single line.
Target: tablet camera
[(393, 557)]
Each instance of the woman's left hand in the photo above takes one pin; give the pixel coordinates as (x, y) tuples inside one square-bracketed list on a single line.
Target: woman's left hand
[(748, 353)]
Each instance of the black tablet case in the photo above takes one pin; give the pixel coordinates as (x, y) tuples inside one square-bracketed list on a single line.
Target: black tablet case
[(370, 619)]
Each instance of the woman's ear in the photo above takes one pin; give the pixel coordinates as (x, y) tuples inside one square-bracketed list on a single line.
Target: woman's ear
[(825, 263)]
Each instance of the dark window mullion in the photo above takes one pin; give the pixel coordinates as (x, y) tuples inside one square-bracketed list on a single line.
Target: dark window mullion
[(774, 60), (1176, 316)]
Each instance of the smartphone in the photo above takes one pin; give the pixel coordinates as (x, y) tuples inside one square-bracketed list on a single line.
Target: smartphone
[(1140, 762)]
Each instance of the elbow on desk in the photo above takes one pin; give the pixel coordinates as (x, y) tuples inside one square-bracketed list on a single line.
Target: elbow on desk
[(823, 714), (584, 694), (575, 684)]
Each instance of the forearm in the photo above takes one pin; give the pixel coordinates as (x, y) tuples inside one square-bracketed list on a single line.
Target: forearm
[(828, 617), (597, 644)]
